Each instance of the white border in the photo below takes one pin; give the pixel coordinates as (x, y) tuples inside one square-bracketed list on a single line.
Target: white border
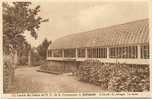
[(79, 95)]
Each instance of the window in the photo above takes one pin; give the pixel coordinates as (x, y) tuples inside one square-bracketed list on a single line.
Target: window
[(145, 51), (102, 52), (134, 52), (97, 52), (90, 54), (81, 52), (70, 53), (123, 52), (112, 52), (57, 53), (94, 52)]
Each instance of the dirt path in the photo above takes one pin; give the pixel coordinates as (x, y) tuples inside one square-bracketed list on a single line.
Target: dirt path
[(28, 79)]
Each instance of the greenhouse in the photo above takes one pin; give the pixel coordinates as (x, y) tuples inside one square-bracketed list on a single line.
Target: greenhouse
[(123, 43)]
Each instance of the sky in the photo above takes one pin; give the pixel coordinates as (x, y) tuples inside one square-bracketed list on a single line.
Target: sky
[(73, 17)]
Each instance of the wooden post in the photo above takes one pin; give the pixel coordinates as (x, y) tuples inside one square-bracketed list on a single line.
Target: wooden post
[(15, 58), (47, 53), (139, 51), (86, 53), (107, 53), (62, 53), (76, 53), (29, 58)]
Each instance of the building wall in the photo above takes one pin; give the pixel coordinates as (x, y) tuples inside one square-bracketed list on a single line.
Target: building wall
[(62, 66), (131, 54)]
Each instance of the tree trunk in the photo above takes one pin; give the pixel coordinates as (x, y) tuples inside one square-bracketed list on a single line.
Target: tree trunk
[(29, 58), (8, 71), (15, 58)]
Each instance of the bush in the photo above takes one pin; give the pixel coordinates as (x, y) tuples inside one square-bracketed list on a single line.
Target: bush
[(94, 71), (87, 70), (130, 78), (115, 77), (8, 73)]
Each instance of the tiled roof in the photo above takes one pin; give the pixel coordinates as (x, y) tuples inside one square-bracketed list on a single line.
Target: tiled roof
[(136, 32)]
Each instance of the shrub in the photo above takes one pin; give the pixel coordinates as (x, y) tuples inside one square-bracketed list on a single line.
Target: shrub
[(94, 71), (115, 77), (130, 78), (8, 73)]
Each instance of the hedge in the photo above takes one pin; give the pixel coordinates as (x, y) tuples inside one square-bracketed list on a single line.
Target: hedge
[(115, 77)]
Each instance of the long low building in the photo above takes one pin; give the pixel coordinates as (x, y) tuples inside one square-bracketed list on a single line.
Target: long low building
[(123, 43)]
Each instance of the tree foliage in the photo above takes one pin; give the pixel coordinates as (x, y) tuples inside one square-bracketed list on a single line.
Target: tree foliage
[(19, 17), (23, 54), (42, 48), (35, 57)]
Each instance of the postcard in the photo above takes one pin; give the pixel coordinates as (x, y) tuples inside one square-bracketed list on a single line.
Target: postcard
[(76, 49)]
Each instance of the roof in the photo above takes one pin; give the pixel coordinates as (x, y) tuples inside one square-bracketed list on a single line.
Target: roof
[(135, 32)]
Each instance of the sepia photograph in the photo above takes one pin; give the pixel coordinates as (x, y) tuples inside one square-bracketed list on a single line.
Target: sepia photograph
[(75, 47)]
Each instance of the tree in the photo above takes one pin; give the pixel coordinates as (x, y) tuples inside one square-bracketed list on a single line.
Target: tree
[(18, 18), (24, 54), (36, 59), (42, 48)]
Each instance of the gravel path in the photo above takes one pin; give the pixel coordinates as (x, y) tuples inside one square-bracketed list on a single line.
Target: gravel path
[(28, 79)]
